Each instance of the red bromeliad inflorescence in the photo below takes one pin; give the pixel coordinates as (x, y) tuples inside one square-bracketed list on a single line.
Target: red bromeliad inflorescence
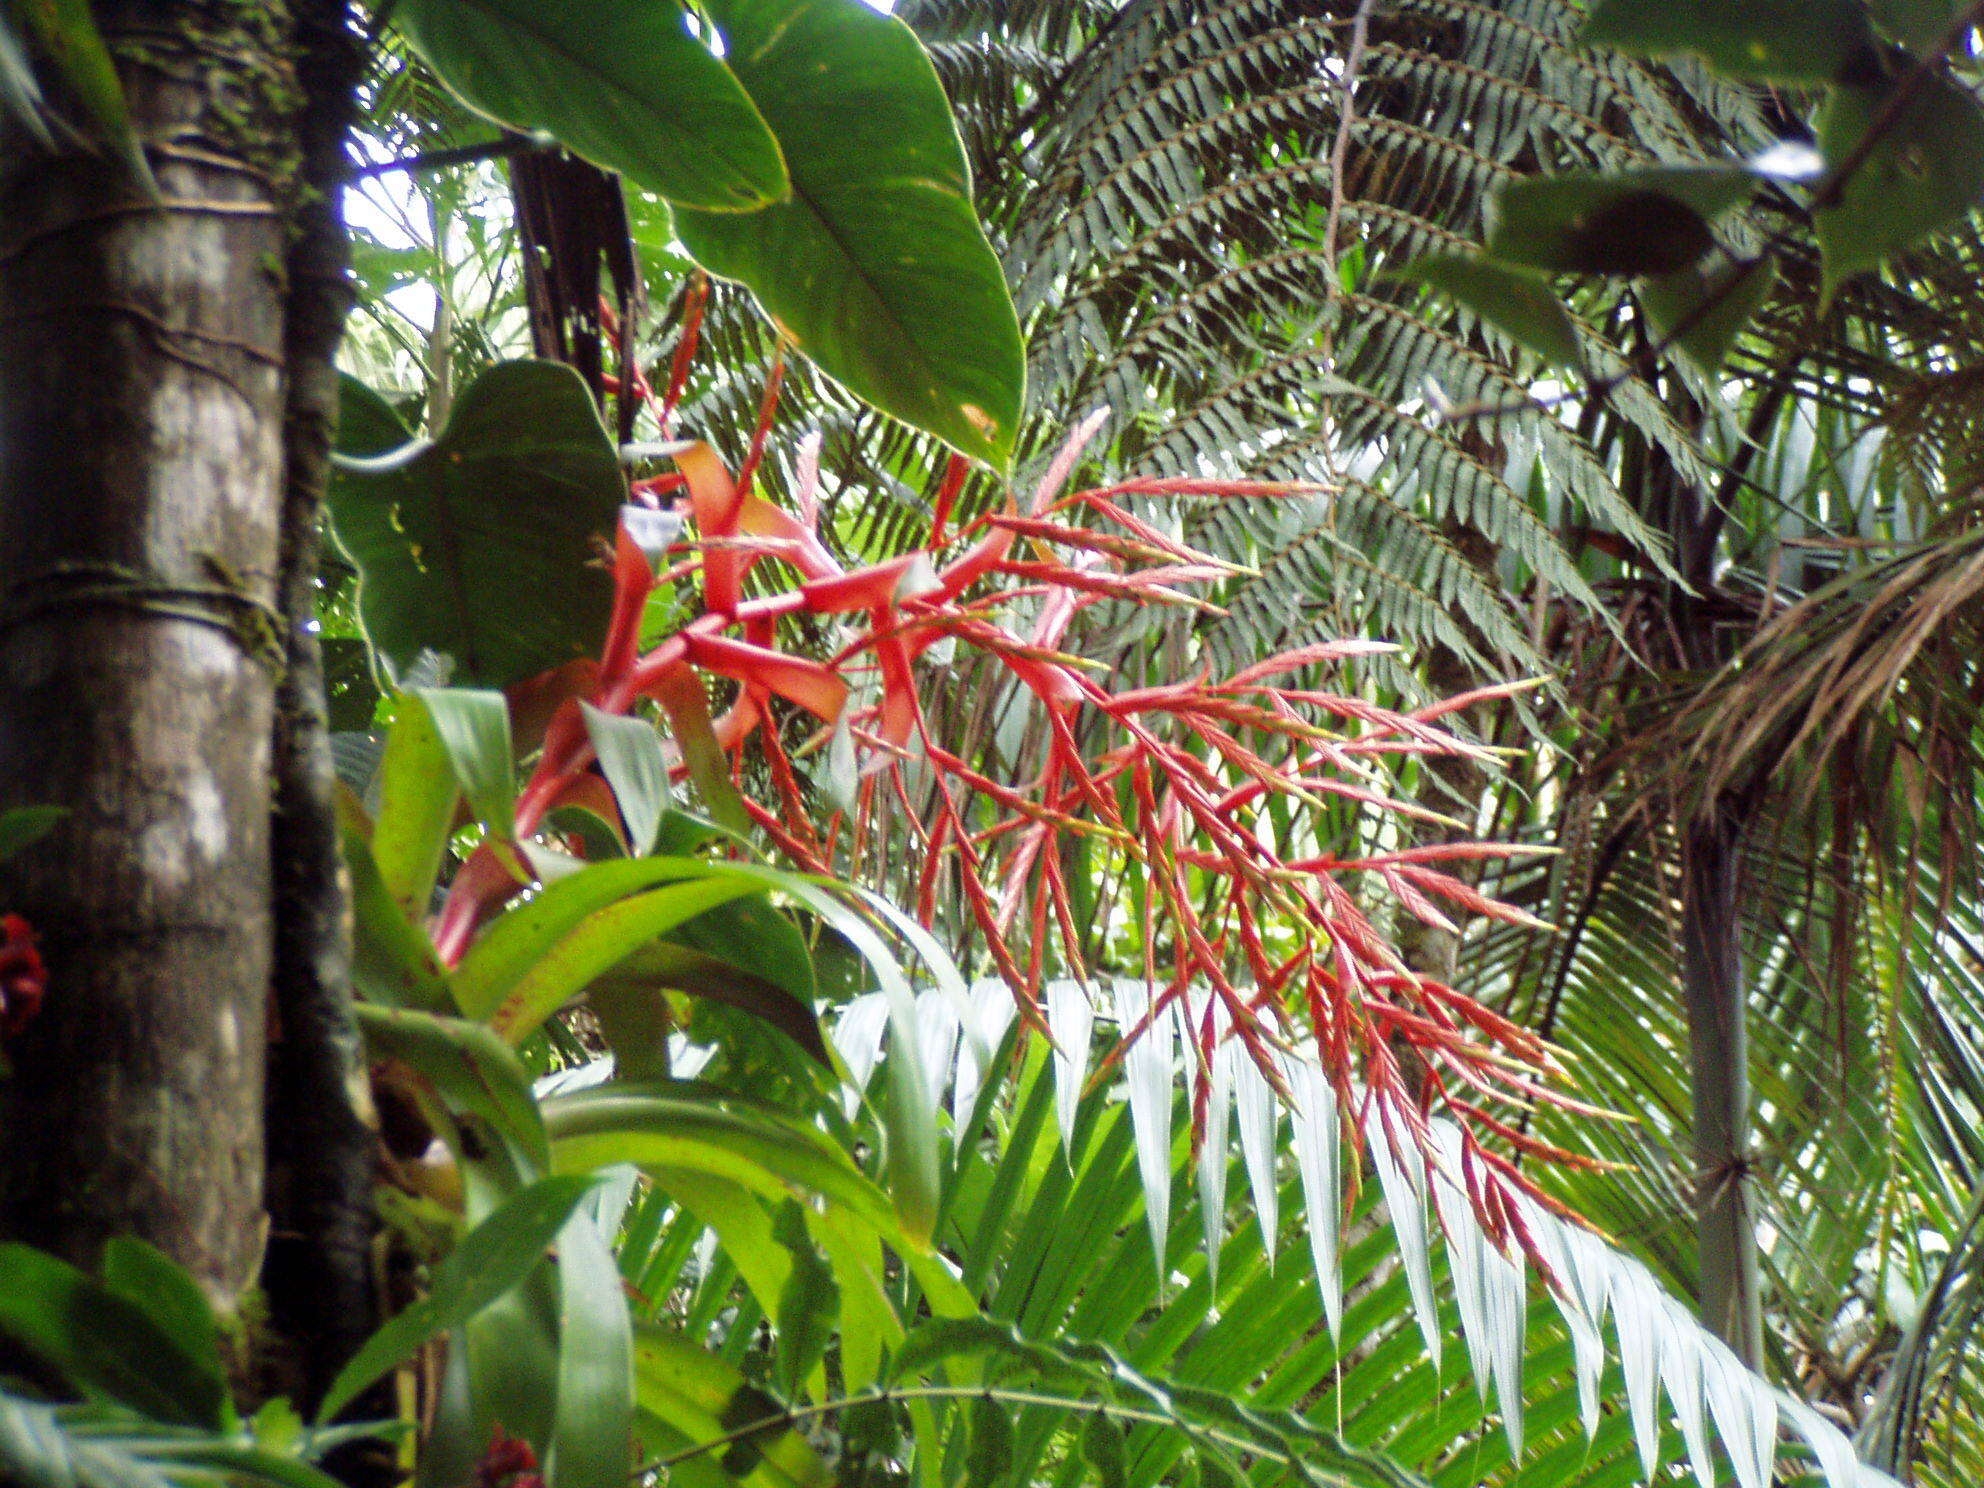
[(1173, 781)]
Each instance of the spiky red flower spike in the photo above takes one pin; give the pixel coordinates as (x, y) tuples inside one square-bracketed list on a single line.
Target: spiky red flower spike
[(1171, 782)]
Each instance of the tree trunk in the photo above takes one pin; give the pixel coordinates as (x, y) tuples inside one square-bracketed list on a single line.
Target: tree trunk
[(1712, 979), (141, 492), (318, 1276)]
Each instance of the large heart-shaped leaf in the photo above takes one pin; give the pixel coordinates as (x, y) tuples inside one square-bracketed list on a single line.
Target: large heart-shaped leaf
[(621, 82), (876, 267), (479, 546), (1925, 171)]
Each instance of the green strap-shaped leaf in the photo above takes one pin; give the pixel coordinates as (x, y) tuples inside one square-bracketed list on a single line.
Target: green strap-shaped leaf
[(523, 935), (621, 82), (677, 1125), (392, 959), (474, 728), (473, 1071), (631, 756), (876, 268), (1520, 305), (418, 793), (102, 1344), (595, 1363), (600, 942), (479, 547), (492, 1258), (66, 33), (627, 1000), (700, 1398), (165, 1292), (1784, 41), (1924, 172)]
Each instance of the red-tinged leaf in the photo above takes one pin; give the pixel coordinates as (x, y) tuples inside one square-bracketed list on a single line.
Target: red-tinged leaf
[(633, 582), (1463, 894), (959, 575), (1307, 656), (535, 702), (955, 470), (758, 517), (1064, 463), (900, 709), (714, 502), (798, 678), (767, 411), (693, 301), (1416, 903), (863, 589)]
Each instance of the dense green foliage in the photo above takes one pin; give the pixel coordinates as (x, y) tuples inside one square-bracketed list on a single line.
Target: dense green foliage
[(783, 938)]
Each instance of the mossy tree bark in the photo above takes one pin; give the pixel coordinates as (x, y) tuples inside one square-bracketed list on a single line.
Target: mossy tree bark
[(165, 404)]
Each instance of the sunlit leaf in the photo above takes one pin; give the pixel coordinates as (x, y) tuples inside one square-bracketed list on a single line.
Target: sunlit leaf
[(876, 268), (624, 85)]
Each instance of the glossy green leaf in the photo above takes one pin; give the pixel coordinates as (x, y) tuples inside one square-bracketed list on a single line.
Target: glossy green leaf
[(418, 793), (631, 757), (392, 959), (684, 1126), (166, 1293), (595, 1363), (26, 825), (65, 32), (1103, 1448), (1785, 41), (102, 1344), (474, 1072), (623, 84), (639, 979), (351, 692), (703, 1399), (1925, 172), (480, 547), (1521, 306), (1649, 221), (1704, 313), (600, 942), (491, 1259), (525, 933), (876, 268), (474, 728), (762, 939), (991, 1456), (808, 1304)]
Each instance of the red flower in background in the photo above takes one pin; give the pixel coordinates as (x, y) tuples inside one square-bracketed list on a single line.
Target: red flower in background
[(509, 1462), (23, 979)]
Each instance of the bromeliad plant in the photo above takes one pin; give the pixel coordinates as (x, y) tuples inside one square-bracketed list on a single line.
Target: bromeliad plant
[(1211, 793)]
